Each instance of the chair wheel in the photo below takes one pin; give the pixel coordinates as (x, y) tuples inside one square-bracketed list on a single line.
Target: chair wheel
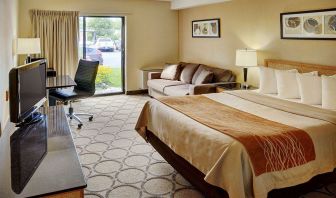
[(91, 118), (70, 118), (80, 126)]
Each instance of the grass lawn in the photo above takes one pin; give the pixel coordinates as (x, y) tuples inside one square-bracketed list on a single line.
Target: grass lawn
[(116, 77), (108, 77)]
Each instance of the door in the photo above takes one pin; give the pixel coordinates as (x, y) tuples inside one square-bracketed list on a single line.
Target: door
[(102, 38)]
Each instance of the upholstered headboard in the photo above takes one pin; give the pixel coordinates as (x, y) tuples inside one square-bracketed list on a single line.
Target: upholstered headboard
[(301, 67)]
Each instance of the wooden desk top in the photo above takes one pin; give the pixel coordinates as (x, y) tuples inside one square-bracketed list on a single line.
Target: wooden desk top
[(60, 82)]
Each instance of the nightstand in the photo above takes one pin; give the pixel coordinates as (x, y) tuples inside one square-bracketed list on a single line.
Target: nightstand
[(231, 87)]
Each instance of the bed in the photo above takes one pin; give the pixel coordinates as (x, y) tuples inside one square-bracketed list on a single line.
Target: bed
[(213, 160)]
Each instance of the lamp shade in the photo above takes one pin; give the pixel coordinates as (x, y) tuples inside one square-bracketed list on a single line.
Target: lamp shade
[(246, 58), (28, 46)]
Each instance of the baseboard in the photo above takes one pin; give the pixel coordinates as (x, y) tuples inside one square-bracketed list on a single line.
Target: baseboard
[(137, 92)]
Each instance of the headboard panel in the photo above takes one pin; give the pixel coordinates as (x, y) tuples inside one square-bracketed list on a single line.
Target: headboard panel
[(301, 67)]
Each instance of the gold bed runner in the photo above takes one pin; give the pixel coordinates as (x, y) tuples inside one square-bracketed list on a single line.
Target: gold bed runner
[(271, 146)]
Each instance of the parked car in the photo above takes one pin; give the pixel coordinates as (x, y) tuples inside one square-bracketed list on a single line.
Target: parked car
[(105, 45), (117, 44), (94, 55)]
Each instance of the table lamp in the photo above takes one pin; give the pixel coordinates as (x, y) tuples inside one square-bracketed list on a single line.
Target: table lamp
[(28, 46), (246, 58)]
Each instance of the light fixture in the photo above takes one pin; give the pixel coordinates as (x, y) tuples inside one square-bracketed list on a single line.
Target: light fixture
[(246, 58), (28, 46)]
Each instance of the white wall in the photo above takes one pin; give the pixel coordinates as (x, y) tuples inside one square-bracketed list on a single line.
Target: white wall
[(8, 32)]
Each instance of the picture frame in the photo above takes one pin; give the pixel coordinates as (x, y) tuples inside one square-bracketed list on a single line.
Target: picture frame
[(309, 25), (207, 28)]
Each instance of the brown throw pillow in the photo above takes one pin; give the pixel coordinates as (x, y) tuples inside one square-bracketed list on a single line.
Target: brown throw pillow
[(170, 72), (188, 73), (204, 77)]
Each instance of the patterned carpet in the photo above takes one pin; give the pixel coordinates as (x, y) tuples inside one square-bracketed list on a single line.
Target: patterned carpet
[(118, 163)]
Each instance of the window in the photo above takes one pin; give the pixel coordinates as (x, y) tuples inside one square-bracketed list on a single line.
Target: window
[(102, 39)]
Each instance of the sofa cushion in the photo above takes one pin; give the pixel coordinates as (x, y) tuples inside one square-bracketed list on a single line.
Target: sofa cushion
[(220, 75), (161, 84), (204, 77), (197, 73), (171, 72), (188, 71), (178, 90)]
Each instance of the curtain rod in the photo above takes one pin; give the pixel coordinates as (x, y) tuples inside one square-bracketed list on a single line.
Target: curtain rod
[(104, 13)]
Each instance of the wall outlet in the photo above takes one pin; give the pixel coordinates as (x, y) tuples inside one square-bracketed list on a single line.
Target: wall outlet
[(7, 96)]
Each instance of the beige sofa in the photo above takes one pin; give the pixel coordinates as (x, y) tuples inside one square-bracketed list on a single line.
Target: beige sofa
[(185, 81)]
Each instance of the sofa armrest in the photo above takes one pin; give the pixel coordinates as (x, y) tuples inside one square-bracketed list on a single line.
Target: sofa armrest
[(202, 89), (205, 88), (154, 75)]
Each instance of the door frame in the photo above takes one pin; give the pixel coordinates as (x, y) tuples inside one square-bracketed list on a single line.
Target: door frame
[(122, 50)]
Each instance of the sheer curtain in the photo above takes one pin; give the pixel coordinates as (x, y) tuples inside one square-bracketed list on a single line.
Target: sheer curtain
[(59, 33)]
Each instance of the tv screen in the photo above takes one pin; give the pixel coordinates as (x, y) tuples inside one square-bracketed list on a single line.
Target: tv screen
[(32, 87), (27, 86)]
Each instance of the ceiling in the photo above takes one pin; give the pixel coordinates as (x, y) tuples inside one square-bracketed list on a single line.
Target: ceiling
[(183, 4)]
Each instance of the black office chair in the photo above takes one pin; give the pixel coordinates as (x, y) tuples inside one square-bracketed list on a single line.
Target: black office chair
[(85, 78)]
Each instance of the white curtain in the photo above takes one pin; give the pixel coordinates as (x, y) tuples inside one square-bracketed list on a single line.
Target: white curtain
[(59, 34)]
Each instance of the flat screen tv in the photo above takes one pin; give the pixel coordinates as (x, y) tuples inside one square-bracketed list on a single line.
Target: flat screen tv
[(27, 90)]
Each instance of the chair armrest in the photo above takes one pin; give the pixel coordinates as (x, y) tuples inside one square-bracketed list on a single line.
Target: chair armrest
[(154, 75), (205, 88)]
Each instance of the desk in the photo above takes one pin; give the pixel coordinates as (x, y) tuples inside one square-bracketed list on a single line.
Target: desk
[(57, 82), (59, 172), (60, 82)]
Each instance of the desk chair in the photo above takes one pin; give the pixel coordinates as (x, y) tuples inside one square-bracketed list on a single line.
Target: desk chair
[(85, 78)]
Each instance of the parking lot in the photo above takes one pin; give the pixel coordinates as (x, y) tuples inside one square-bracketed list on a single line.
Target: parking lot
[(112, 59)]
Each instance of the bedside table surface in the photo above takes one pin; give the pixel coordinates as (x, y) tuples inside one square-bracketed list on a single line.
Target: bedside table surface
[(232, 86)]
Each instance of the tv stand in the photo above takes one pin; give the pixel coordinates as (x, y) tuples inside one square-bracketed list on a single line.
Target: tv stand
[(59, 174), (32, 119)]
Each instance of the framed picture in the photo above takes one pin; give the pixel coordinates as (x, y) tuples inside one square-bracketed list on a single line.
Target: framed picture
[(310, 25), (208, 28)]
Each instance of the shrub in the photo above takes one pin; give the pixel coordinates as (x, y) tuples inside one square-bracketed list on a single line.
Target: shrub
[(104, 77)]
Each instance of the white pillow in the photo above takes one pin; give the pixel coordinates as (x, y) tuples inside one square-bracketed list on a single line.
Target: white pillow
[(329, 92), (170, 72), (310, 88), (287, 84), (267, 83)]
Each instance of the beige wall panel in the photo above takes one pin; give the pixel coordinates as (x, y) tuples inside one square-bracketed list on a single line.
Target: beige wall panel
[(252, 24), (152, 28), (8, 33)]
